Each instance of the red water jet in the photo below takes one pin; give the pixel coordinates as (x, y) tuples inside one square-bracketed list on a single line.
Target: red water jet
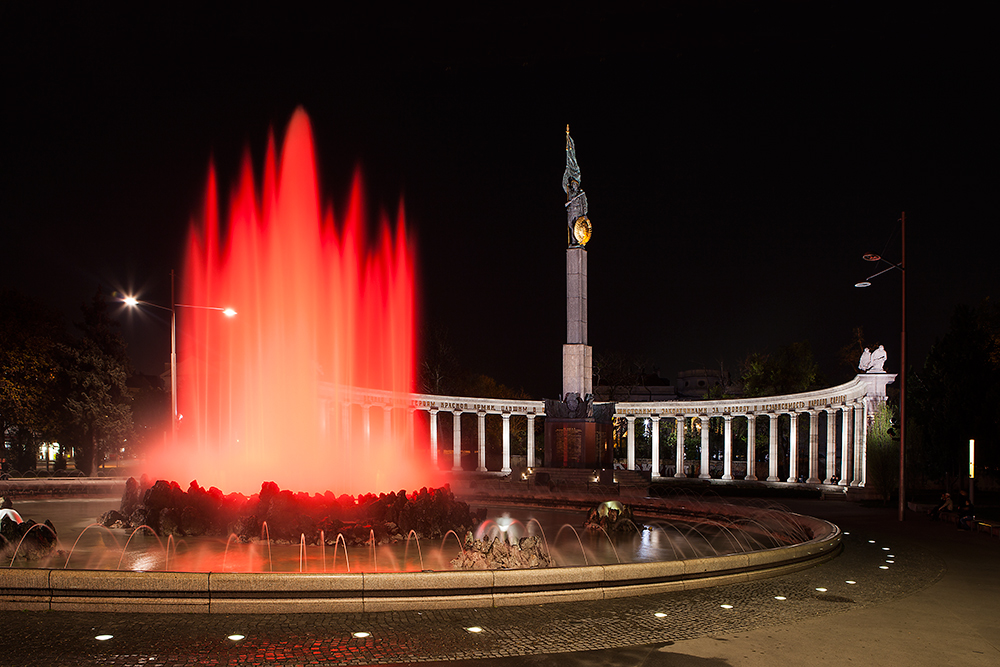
[(322, 313)]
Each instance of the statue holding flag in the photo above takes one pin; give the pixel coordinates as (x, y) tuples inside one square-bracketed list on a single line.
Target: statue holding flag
[(579, 228)]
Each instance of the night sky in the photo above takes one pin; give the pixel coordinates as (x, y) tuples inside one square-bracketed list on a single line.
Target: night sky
[(739, 159)]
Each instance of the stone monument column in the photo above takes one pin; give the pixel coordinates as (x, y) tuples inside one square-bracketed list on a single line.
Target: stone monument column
[(772, 448), (727, 451), (679, 450), (505, 416), (578, 360), (793, 447), (656, 446), (433, 412), (531, 440), (813, 447), (578, 432), (706, 472)]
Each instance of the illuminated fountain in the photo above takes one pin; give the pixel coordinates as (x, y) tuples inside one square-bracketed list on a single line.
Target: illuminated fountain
[(318, 303)]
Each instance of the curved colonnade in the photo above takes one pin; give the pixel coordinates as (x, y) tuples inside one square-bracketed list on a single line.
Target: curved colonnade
[(846, 408)]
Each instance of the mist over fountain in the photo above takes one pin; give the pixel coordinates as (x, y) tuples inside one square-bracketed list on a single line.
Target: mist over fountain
[(318, 301)]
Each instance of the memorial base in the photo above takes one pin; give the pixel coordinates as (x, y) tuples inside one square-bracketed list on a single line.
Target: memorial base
[(578, 443)]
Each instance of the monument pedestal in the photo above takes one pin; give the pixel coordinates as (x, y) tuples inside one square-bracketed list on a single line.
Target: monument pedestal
[(578, 433), (578, 443), (578, 367)]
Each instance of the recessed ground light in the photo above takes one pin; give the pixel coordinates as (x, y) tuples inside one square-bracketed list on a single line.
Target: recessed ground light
[(362, 635), (883, 567), (660, 614), (890, 561), (103, 638), (871, 541), (889, 556), (885, 548), (780, 597), (851, 582), (846, 533), (821, 590), (474, 628), (726, 606), (236, 638)]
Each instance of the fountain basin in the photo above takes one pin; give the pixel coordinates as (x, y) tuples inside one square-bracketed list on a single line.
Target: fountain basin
[(294, 592)]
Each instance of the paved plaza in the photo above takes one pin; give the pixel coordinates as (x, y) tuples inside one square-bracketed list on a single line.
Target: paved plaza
[(923, 593)]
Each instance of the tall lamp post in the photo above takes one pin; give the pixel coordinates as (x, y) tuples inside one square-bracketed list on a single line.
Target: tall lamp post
[(131, 301), (871, 257)]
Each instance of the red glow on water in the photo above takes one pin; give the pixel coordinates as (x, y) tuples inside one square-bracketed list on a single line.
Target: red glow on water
[(321, 308)]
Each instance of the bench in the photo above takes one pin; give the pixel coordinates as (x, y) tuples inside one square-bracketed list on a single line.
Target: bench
[(991, 527)]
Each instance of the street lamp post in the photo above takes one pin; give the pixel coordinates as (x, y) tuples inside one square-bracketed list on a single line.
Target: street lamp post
[(902, 354), (132, 301)]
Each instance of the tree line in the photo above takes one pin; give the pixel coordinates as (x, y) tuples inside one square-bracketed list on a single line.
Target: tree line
[(69, 385)]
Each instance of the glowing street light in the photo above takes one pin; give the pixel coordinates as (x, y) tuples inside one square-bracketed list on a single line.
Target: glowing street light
[(872, 257), (133, 302)]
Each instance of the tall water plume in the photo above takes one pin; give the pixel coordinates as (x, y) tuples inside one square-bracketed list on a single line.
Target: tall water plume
[(322, 312)]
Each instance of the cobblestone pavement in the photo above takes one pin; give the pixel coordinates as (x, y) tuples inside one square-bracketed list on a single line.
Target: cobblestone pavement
[(868, 572)]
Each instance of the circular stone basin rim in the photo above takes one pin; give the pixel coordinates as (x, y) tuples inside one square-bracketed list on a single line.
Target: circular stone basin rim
[(293, 592)]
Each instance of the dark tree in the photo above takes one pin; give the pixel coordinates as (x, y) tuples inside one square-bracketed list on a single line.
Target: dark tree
[(29, 336), (618, 372), (440, 372), (791, 370), (955, 396), (94, 370)]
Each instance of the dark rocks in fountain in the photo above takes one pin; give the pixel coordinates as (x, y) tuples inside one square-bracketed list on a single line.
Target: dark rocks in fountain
[(168, 510), (497, 554), (611, 516), (32, 540)]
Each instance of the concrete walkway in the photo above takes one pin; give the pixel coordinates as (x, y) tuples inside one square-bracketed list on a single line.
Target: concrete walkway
[(916, 593)]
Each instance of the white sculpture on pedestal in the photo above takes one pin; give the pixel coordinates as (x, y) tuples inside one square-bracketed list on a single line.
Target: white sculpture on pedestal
[(878, 359), (872, 362)]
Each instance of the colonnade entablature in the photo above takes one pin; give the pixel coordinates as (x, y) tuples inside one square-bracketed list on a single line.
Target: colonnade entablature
[(845, 443)]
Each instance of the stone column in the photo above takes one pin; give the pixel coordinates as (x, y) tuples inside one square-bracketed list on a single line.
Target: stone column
[(845, 445), (456, 439), (409, 435), (433, 412), (505, 416), (482, 441), (863, 474), (831, 445), (751, 448), (772, 448), (630, 460), (366, 426), (859, 429), (727, 450), (793, 447), (345, 427), (679, 421), (705, 473), (531, 439), (656, 445), (387, 423), (577, 354), (813, 447)]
